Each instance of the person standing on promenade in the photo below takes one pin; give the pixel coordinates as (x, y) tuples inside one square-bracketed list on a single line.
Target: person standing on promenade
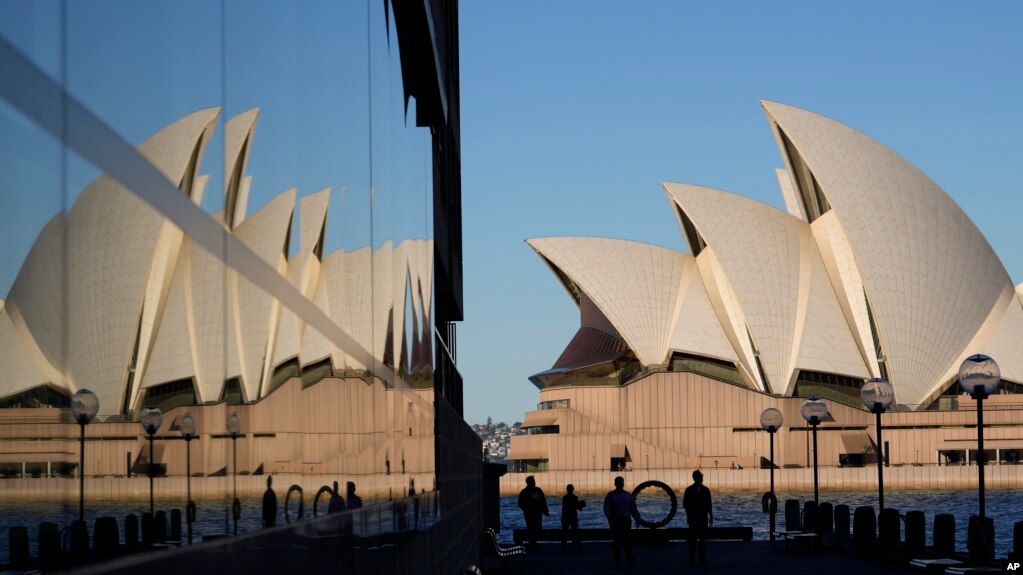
[(570, 507), (700, 515), (337, 503), (533, 503), (620, 509), (269, 504)]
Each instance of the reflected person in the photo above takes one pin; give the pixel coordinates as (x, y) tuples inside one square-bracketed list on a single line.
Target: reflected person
[(269, 504)]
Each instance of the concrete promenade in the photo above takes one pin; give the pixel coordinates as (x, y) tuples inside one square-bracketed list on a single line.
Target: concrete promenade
[(724, 480), (734, 557)]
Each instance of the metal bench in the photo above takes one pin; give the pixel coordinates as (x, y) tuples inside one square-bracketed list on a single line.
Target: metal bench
[(807, 541), (502, 553)]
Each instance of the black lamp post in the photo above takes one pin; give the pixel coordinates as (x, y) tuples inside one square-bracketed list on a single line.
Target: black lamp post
[(771, 420), (234, 427), (814, 410), (878, 395), (150, 420), (84, 406), (979, 376), (187, 426)]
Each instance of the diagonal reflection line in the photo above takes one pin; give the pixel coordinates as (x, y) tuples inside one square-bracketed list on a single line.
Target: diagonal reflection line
[(41, 99)]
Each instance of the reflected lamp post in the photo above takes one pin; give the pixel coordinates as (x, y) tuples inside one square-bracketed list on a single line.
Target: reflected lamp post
[(979, 376), (771, 420), (187, 426), (814, 410), (151, 419), (877, 395), (84, 406), (234, 427)]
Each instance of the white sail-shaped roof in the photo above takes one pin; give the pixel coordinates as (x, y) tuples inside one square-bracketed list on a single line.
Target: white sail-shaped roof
[(303, 271), (638, 293), (759, 250), (238, 134), (697, 328), (930, 277), (266, 232), (105, 306)]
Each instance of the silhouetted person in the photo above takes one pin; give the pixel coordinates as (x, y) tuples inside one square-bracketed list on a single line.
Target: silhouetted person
[(570, 507), (415, 502), (337, 503), (269, 504), (699, 515), (354, 501), (620, 509), (533, 504)]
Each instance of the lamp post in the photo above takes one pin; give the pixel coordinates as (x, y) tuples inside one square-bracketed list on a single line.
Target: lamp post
[(814, 410), (877, 395), (979, 376), (771, 420), (84, 406), (234, 427), (187, 426), (151, 419)]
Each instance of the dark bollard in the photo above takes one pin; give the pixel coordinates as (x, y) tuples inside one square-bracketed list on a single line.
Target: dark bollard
[(981, 542), (175, 530), (131, 532), (17, 539), (825, 519), (916, 534), (892, 528), (105, 537), (841, 526), (810, 516), (1017, 542), (792, 522), (160, 525), (944, 535), (79, 542), (49, 545), (864, 528), (148, 533)]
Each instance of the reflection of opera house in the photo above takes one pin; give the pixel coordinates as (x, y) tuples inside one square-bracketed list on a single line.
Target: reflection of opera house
[(872, 272), (146, 316)]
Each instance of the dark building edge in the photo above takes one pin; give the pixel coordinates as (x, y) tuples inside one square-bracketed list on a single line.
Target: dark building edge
[(427, 32)]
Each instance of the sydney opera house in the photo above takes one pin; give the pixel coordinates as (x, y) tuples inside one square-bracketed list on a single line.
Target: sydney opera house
[(871, 271), (259, 228), (157, 320)]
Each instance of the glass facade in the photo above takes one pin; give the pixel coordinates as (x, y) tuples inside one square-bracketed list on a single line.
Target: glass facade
[(224, 208)]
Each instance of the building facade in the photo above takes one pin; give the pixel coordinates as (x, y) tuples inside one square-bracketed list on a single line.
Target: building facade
[(861, 277), (263, 220)]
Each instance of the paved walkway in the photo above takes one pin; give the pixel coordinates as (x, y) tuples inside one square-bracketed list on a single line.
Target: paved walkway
[(755, 558)]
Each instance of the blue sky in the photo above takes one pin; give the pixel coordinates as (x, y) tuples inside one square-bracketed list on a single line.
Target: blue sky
[(573, 113)]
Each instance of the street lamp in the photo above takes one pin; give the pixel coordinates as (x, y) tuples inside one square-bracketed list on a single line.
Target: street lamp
[(878, 394), (979, 376), (187, 426), (84, 406), (234, 427), (771, 420), (150, 421), (814, 410)]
